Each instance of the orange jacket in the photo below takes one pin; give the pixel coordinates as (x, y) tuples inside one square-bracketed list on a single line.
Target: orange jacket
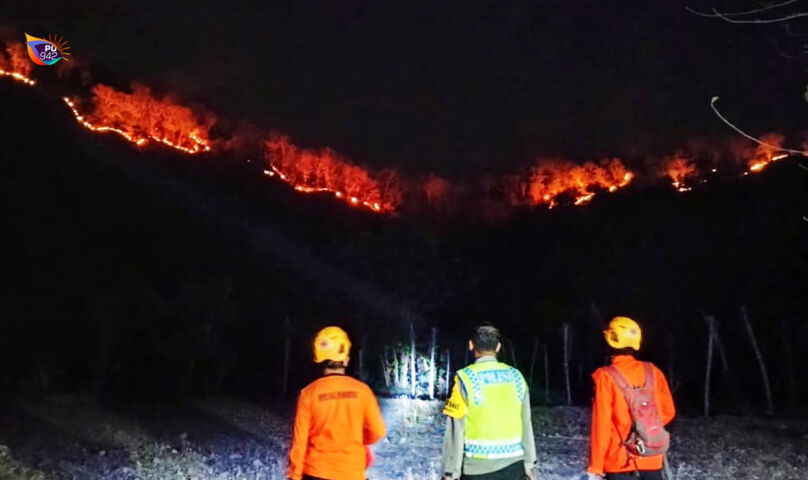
[(611, 421), (337, 416)]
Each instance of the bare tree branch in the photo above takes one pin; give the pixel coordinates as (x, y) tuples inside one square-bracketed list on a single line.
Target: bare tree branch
[(740, 14), (750, 137), (762, 21)]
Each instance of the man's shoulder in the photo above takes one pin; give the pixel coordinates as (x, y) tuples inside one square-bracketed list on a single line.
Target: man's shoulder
[(331, 381), (603, 373)]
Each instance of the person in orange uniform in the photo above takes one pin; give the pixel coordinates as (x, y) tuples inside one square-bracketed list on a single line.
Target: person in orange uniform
[(337, 418), (611, 420)]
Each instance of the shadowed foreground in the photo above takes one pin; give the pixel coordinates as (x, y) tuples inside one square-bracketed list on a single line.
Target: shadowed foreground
[(69, 438)]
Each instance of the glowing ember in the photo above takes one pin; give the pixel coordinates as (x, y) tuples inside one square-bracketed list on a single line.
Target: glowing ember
[(139, 117), (678, 169), (552, 178), (16, 64), (323, 170)]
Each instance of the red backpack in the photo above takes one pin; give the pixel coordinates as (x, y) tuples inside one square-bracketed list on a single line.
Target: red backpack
[(648, 436)]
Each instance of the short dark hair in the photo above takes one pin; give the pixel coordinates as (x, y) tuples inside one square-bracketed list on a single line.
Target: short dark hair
[(332, 364), (485, 338)]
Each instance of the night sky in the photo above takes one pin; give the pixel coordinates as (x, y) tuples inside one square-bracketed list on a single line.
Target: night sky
[(449, 87)]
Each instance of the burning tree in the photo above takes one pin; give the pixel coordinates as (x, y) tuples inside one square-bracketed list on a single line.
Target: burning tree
[(141, 117), (678, 169), (16, 64), (324, 170), (549, 179)]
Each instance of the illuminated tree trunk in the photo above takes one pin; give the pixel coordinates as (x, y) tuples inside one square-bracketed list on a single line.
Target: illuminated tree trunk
[(448, 371), (396, 369), (405, 369), (710, 338), (546, 376), (385, 369), (533, 360), (432, 365), (763, 372), (567, 363), (720, 347), (412, 360), (287, 351)]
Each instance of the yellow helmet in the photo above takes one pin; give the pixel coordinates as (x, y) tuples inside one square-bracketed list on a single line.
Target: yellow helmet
[(331, 343), (623, 332)]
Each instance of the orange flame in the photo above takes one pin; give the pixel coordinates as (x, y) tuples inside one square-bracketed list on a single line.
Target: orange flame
[(140, 117), (323, 170), (552, 178), (16, 64), (768, 153), (678, 169)]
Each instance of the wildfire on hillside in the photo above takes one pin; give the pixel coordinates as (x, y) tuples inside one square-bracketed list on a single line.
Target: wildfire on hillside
[(140, 117), (770, 150), (550, 179), (324, 170), (15, 64), (679, 169)]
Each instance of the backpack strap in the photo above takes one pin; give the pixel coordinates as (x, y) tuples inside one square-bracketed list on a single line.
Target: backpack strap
[(618, 378), (649, 374)]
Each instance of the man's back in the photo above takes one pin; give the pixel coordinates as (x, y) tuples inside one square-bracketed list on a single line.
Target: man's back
[(611, 420), (337, 416)]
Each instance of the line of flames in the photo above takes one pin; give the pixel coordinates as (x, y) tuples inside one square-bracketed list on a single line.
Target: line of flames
[(199, 146), (352, 200), (18, 76), (680, 170)]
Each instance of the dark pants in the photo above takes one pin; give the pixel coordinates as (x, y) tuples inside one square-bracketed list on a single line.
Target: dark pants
[(641, 475), (515, 471)]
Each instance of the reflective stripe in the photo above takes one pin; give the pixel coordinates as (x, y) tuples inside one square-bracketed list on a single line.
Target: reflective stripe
[(491, 449), (470, 376), (494, 396)]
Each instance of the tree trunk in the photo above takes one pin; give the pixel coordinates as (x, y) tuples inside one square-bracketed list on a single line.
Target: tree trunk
[(710, 338), (720, 347), (412, 360), (432, 366), (546, 377), (448, 371), (761, 363), (287, 352), (533, 360), (385, 371), (396, 369), (567, 363)]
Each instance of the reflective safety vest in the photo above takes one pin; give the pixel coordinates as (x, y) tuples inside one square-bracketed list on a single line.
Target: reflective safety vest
[(494, 395)]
